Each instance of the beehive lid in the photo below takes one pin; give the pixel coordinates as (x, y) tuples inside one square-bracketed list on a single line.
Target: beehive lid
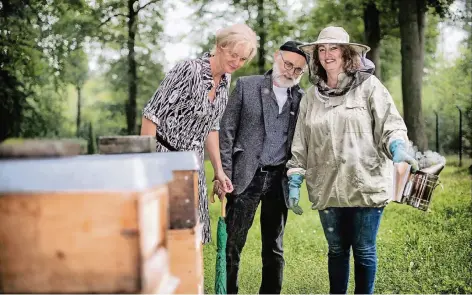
[(171, 160), (177, 160), (126, 172)]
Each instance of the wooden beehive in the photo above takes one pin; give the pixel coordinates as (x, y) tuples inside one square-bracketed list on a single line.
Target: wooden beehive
[(85, 224), (185, 243), (126, 144), (185, 231)]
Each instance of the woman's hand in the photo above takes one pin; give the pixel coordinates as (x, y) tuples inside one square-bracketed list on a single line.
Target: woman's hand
[(217, 190), (399, 154), (294, 183), (224, 181)]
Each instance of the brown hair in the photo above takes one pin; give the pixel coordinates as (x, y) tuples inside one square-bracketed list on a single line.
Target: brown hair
[(351, 58)]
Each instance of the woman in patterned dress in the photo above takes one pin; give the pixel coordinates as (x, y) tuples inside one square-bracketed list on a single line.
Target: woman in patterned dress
[(185, 110)]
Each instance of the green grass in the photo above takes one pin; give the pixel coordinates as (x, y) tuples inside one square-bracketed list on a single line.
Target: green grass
[(418, 252)]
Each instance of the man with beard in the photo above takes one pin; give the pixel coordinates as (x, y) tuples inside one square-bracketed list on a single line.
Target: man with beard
[(256, 134)]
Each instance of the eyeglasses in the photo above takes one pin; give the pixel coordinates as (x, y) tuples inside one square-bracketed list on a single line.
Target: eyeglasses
[(234, 55), (289, 66)]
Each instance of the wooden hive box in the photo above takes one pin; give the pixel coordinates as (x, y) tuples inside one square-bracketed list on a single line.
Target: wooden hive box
[(185, 242), (84, 224), (185, 232)]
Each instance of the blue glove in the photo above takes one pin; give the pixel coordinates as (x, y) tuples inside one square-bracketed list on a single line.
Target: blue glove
[(398, 150), (294, 182)]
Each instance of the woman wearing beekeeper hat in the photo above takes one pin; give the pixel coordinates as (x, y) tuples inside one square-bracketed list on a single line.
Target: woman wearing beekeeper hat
[(347, 132)]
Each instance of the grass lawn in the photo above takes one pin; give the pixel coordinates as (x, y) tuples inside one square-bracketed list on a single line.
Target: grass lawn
[(418, 252)]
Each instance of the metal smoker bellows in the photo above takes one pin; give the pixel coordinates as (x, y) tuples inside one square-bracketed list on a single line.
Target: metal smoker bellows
[(420, 186)]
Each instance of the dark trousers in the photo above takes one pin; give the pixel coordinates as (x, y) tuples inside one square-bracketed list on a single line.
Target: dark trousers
[(357, 228), (265, 187)]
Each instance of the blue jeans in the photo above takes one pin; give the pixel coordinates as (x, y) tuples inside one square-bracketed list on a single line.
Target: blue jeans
[(356, 227)]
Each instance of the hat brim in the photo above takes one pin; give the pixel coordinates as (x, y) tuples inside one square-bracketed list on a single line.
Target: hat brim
[(308, 48)]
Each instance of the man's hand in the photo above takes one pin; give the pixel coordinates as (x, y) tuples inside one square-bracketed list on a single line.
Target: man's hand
[(399, 154), (294, 182)]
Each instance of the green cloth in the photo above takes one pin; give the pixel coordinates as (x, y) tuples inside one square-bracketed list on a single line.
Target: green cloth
[(220, 272)]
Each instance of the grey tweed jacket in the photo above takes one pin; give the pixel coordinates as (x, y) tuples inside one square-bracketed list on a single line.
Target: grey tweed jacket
[(243, 128)]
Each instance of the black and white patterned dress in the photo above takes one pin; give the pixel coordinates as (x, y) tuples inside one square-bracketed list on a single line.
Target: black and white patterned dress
[(184, 116)]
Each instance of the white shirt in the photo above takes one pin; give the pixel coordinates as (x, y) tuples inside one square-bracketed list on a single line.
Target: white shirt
[(280, 95)]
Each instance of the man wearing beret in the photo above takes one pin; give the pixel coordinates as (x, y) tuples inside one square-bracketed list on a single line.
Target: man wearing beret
[(256, 134)]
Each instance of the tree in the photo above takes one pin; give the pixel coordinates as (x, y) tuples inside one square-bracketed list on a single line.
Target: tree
[(149, 73), (76, 73), (92, 140), (360, 18), (39, 37), (127, 27), (412, 23), (412, 18), (372, 34), (266, 17)]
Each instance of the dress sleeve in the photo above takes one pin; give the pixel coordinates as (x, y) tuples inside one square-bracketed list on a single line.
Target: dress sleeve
[(175, 85)]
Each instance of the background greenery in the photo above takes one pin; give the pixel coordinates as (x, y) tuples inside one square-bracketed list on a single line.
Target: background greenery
[(418, 252), (47, 88)]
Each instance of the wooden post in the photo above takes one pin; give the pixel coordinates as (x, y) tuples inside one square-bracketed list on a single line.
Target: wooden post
[(42, 148)]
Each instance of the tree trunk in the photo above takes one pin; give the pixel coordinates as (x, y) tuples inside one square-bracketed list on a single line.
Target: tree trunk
[(132, 76), (412, 20), (79, 107), (92, 140), (372, 35), (262, 32)]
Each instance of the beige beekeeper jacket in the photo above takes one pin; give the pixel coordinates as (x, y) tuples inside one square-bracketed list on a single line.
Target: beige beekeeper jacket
[(341, 143)]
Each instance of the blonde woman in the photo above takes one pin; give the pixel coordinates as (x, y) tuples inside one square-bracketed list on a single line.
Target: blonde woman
[(185, 110)]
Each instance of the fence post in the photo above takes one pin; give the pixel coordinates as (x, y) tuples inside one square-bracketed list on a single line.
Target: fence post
[(460, 135), (437, 131)]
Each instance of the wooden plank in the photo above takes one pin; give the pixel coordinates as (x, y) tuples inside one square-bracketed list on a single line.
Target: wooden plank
[(189, 267), (183, 195), (126, 144), (42, 148), (153, 220), (72, 243), (154, 270), (84, 242)]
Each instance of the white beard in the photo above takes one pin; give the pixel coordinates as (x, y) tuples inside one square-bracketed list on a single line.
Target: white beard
[(281, 80)]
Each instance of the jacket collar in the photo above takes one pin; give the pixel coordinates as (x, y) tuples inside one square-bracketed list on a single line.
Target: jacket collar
[(207, 75), (296, 90)]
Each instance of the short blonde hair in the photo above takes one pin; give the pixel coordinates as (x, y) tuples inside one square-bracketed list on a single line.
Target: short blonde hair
[(234, 35)]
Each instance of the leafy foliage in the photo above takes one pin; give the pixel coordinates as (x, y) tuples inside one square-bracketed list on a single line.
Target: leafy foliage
[(35, 46), (47, 47)]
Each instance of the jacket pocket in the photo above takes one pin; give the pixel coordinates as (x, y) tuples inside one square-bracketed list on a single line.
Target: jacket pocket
[(357, 117), (237, 150), (356, 102)]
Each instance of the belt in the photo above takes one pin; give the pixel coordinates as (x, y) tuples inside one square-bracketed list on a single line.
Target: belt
[(266, 169), (164, 142)]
